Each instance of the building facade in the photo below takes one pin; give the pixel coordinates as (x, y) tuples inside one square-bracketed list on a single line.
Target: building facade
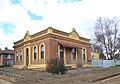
[(6, 57), (34, 51), (95, 55)]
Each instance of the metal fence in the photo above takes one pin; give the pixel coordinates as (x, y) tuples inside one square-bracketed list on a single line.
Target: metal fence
[(104, 63)]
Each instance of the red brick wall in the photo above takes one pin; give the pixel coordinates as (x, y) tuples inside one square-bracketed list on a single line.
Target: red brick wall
[(18, 62), (53, 48), (88, 53), (79, 54), (68, 55), (38, 43)]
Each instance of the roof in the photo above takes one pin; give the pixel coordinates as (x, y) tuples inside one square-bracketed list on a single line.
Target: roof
[(6, 51), (51, 31), (69, 44)]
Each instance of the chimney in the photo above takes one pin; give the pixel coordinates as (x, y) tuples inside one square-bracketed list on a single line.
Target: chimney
[(6, 48)]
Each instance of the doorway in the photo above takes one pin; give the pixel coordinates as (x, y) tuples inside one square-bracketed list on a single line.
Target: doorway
[(27, 57)]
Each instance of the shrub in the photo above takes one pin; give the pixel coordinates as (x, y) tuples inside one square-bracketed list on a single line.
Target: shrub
[(56, 66), (117, 65), (62, 69), (6, 65)]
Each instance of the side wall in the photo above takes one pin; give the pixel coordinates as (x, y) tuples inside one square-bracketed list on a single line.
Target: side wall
[(50, 52), (18, 64)]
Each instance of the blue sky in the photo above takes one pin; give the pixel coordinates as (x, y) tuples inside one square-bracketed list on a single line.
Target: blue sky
[(34, 16), (18, 16), (7, 27)]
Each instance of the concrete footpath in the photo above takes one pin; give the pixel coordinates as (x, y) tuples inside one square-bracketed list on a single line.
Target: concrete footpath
[(4, 82)]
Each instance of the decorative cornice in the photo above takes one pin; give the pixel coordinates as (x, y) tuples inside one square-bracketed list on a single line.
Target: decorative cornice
[(74, 34), (54, 35), (49, 29), (27, 36), (73, 37)]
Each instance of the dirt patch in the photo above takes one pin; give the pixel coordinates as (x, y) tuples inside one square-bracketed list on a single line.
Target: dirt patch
[(7, 78), (82, 76)]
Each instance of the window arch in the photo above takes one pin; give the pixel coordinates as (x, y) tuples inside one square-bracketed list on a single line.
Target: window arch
[(42, 51), (74, 53), (35, 52)]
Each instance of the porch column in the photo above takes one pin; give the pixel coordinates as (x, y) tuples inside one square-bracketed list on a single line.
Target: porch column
[(24, 57), (29, 63), (65, 55)]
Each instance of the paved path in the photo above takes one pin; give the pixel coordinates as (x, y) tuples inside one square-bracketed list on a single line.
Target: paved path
[(4, 82), (112, 80)]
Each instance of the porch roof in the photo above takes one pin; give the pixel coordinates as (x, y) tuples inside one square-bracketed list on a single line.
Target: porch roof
[(70, 44)]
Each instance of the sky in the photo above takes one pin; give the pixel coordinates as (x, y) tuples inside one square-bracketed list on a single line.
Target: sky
[(18, 16)]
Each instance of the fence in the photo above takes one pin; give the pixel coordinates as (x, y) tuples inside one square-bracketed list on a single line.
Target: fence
[(104, 63)]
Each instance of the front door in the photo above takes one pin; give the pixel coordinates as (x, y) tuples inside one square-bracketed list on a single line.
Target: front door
[(27, 57)]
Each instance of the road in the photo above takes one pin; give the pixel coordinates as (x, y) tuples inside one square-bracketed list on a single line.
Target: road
[(4, 82)]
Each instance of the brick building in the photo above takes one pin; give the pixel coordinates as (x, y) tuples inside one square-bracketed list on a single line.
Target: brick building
[(6, 57), (34, 51)]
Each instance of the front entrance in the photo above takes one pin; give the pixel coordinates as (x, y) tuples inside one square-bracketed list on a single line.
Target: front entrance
[(27, 57)]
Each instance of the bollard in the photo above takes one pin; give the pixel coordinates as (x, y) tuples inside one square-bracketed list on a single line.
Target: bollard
[(13, 76)]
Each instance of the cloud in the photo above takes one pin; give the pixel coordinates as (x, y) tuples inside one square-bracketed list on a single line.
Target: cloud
[(6, 41), (36, 15), (50, 13), (68, 1)]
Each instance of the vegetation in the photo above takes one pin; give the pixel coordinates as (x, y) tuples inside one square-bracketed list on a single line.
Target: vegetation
[(86, 76), (107, 36), (117, 65), (56, 66), (6, 65)]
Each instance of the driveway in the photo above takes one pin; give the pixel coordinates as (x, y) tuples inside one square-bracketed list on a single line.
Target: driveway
[(4, 82)]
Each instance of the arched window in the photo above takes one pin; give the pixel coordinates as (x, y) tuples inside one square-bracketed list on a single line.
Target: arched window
[(35, 53), (16, 56), (74, 53), (83, 54), (42, 51), (20, 55)]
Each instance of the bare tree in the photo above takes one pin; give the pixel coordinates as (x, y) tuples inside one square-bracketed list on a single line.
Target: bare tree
[(96, 48), (107, 36)]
